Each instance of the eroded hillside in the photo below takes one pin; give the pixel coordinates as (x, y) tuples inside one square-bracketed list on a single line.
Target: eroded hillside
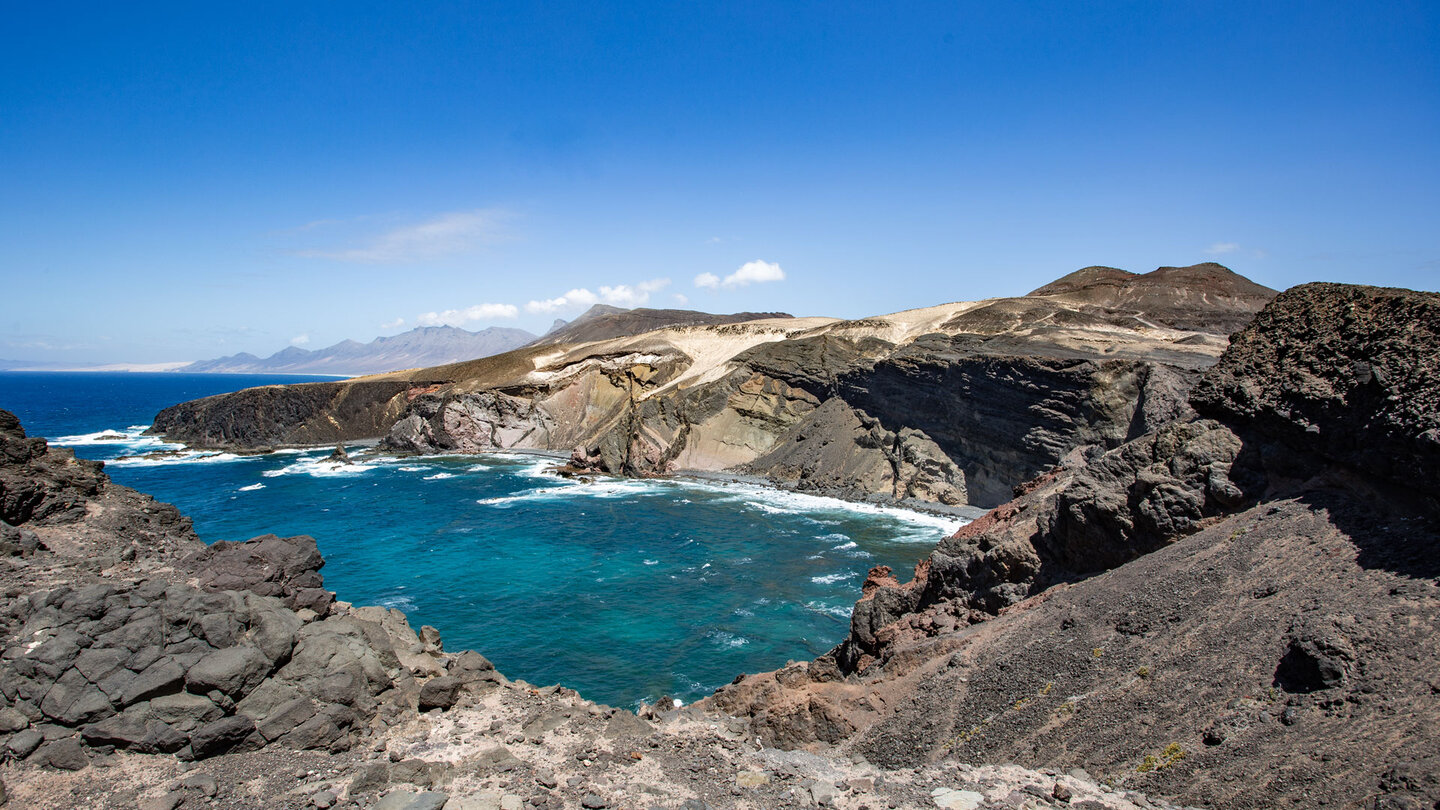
[(953, 404), (1238, 607)]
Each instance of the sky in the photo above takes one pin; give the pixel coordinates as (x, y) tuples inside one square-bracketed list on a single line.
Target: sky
[(182, 181)]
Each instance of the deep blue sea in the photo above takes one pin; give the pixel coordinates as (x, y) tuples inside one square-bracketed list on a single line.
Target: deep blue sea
[(625, 590)]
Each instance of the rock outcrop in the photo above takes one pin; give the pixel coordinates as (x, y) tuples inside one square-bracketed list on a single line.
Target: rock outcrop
[(139, 667), (950, 405), (124, 631), (1185, 611), (281, 415)]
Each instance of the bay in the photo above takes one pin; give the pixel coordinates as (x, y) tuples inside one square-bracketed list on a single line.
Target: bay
[(623, 589)]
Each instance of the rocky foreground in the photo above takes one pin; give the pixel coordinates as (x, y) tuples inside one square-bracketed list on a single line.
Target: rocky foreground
[(1234, 607), (143, 669), (1238, 608)]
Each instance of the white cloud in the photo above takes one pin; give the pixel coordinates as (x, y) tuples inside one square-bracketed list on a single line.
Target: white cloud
[(681, 299), (575, 299), (460, 317), (756, 272), (620, 295), (395, 324), (1221, 248), (445, 235), (300, 340)]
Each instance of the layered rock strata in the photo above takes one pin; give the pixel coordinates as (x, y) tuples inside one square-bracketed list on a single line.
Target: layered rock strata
[(948, 405)]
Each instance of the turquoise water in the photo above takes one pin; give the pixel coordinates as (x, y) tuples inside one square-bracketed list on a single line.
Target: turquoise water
[(622, 589)]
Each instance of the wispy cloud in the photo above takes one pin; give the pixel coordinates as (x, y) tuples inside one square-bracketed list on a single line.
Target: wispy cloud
[(445, 235), (395, 324), (1233, 248), (756, 272), (620, 295), (460, 317), (681, 299), (300, 340)]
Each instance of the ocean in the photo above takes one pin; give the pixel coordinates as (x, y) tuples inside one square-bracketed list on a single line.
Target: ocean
[(625, 590)]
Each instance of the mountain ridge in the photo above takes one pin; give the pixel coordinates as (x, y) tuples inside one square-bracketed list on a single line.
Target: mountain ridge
[(418, 347), (952, 404)]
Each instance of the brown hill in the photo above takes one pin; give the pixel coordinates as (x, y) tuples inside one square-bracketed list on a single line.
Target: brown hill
[(1238, 609), (1204, 297), (603, 322)]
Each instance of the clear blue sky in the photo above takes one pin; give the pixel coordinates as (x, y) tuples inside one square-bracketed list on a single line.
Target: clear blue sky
[(181, 181)]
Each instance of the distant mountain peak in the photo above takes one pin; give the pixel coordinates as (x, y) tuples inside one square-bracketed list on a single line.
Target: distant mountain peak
[(420, 347)]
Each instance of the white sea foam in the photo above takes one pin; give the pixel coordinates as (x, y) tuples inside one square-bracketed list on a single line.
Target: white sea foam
[(182, 457), (830, 579), (320, 468), (131, 438), (441, 476), (924, 527), (726, 639), (252, 487), (651, 562), (838, 611), (412, 468), (404, 603)]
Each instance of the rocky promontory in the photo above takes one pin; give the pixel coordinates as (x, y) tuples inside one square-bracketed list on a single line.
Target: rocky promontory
[(1237, 607), (950, 405)]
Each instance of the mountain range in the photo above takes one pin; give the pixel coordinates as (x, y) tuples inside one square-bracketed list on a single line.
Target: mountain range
[(417, 348)]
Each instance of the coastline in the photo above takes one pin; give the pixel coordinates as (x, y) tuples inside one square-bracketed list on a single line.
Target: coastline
[(966, 513)]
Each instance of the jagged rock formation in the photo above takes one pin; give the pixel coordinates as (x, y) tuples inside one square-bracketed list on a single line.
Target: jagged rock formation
[(1184, 612), (280, 415), (124, 631), (130, 649), (950, 405)]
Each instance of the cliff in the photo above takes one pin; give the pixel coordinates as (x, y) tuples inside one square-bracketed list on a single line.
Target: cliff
[(1184, 612), (952, 405), (142, 668)]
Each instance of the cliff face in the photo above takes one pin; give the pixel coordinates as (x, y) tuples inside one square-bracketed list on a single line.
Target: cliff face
[(1187, 610), (952, 404), (278, 415)]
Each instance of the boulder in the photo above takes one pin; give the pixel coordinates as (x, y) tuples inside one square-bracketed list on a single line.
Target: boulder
[(220, 737), (440, 693), (232, 671)]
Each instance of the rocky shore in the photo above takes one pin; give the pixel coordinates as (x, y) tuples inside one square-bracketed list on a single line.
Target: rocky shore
[(1238, 608), (144, 669), (1235, 606)]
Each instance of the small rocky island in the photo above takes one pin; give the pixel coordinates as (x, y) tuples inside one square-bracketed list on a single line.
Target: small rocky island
[(1229, 600)]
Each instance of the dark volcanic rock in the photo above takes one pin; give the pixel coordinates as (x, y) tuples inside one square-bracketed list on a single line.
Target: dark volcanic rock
[(1351, 373), (284, 567), (38, 482), (1185, 611), (307, 413)]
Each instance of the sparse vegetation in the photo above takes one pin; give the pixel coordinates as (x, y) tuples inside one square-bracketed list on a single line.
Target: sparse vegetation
[(1172, 754)]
